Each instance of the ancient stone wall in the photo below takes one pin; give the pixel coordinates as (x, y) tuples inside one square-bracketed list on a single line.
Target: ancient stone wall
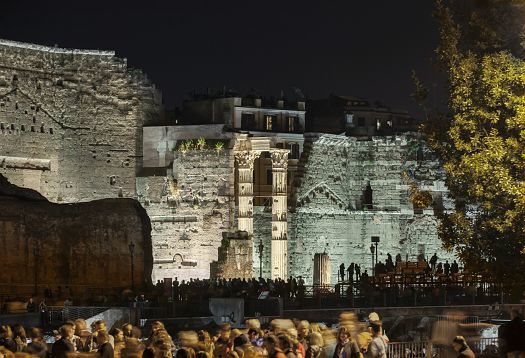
[(189, 206), (83, 245), (234, 257), (329, 214), (71, 121)]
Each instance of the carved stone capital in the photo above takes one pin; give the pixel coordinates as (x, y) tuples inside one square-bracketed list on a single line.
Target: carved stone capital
[(279, 158), (245, 158)]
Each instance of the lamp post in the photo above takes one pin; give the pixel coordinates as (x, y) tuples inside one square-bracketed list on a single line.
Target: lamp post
[(375, 240), (261, 248), (131, 253), (35, 260), (372, 250)]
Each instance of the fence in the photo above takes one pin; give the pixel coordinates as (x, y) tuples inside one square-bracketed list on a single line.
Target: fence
[(483, 347), (58, 315)]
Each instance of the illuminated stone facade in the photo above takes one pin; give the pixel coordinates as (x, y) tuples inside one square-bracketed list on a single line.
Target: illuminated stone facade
[(75, 127)]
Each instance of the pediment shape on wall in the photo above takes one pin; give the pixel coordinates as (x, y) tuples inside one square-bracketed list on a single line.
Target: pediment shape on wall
[(318, 190)]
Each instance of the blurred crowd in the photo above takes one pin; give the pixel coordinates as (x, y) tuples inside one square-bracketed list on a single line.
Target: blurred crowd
[(281, 338)]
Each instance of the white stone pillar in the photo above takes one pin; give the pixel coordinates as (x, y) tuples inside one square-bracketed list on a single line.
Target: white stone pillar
[(244, 160), (279, 259)]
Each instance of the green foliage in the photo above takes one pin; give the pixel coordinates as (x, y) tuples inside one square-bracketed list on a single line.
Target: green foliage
[(481, 141), (201, 143), (219, 146)]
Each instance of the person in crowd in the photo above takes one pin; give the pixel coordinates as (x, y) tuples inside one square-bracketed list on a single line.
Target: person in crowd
[(243, 347), (446, 268), (62, 347), (357, 272), (433, 262), (514, 334), (6, 338), (316, 347), (37, 347), (127, 329), (459, 344), (105, 349), (31, 305), (20, 337), (119, 339), (454, 268), (303, 335), (222, 344), (342, 272), (273, 349), (346, 345), (378, 347), (83, 339), (100, 325), (205, 342)]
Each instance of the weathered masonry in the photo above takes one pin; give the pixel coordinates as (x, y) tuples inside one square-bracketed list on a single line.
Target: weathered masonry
[(241, 173), (71, 121)]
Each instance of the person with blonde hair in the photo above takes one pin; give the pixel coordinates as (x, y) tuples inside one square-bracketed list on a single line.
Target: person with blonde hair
[(6, 338), (316, 350), (303, 333)]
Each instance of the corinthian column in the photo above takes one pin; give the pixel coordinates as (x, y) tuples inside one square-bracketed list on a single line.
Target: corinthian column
[(244, 160), (279, 214)]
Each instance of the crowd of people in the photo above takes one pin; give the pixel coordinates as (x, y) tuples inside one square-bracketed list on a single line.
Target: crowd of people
[(352, 273), (281, 338)]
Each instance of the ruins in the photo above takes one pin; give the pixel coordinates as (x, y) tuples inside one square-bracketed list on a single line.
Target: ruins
[(239, 174)]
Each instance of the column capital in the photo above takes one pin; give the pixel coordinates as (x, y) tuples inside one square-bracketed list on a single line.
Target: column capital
[(279, 158), (245, 158)]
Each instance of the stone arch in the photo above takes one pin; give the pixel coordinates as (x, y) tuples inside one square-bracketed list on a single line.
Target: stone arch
[(420, 237)]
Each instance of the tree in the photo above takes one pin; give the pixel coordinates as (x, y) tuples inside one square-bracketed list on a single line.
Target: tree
[(481, 137)]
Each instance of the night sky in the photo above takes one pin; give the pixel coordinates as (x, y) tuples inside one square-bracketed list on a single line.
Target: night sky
[(363, 48)]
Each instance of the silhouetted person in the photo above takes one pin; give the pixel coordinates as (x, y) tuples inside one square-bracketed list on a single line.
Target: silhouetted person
[(433, 262), (513, 335), (342, 272), (447, 268), (357, 272), (350, 271), (454, 268)]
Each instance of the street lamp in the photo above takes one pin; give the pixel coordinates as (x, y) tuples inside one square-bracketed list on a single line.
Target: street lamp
[(372, 250), (35, 260), (131, 252), (375, 240), (261, 248)]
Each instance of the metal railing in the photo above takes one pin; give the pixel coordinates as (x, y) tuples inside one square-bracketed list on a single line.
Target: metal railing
[(482, 347), (59, 314)]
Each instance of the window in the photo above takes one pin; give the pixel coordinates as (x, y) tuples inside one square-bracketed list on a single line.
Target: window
[(349, 119), (23, 128), (294, 150), (368, 197), (269, 177), (361, 121), (378, 124), (268, 120), (292, 124), (248, 121), (389, 123)]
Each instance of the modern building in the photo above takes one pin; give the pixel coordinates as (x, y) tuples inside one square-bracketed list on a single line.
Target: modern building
[(358, 117)]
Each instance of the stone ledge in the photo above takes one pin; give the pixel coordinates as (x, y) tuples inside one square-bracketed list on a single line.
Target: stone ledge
[(173, 219)]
